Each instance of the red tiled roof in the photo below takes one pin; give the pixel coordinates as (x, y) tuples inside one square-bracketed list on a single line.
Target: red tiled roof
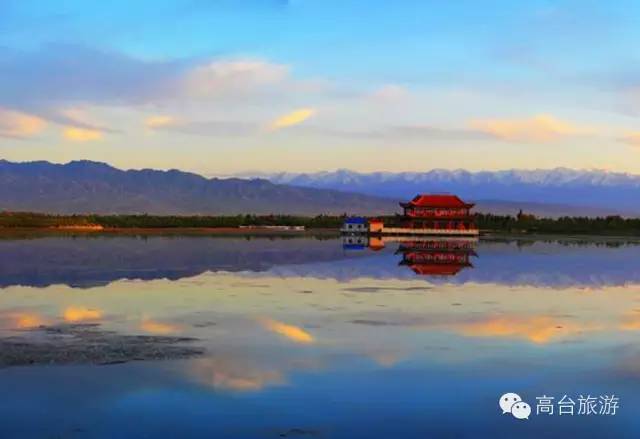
[(428, 200)]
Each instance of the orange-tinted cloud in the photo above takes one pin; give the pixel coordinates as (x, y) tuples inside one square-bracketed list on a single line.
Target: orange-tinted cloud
[(77, 134), (75, 314), (632, 138), (294, 118), (156, 327), (20, 125), (155, 122), (291, 332), (541, 128)]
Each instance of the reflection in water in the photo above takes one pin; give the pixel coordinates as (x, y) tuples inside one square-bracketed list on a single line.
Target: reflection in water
[(305, 335), (631, 322), (87, 262), (160, 328), (291, 332), (423, 255), (446, 257), (222, 373), (24, 320), (75, 314), (536, 329)]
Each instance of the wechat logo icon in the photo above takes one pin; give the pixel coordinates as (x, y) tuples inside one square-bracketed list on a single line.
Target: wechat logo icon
[(512, 403)]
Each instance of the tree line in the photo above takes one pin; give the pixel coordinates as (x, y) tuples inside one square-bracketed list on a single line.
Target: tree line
[(522, 223)]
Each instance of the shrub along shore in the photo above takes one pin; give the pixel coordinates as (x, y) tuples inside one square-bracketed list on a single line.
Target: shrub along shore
[(525, 224)]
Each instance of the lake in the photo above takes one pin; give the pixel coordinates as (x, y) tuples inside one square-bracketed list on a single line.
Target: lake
[(237, 337)]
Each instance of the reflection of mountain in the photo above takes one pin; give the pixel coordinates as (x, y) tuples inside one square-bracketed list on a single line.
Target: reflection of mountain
[(446, 257), (556, 264), (92, 261)]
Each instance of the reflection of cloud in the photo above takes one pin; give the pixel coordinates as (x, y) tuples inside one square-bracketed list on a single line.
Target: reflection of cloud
[(541, 128), (226, 374), (156, 327), (631, 323), (19, 125), (25, 320), (291, 332), (294, 118), (536, 329), (75, 314), (77, 134), (385, 358)]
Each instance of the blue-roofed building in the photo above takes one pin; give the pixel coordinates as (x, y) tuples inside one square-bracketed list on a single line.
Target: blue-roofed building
[(355, 224)]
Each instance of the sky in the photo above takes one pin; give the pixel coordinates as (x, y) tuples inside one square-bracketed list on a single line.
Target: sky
[(229, 87)]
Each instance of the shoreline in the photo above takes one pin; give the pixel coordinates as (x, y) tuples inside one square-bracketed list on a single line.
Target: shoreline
[(202, 231), (277, 233)]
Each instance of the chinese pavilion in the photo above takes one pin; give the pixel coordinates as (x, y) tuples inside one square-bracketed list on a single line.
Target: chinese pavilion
[(438, 212)]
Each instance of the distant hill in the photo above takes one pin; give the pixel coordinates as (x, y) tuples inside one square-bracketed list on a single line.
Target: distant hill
[(91, 187), (557, 191), (547, 210)]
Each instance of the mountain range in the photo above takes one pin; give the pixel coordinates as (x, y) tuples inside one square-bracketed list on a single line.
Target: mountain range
[(556, 191), (93, 187)]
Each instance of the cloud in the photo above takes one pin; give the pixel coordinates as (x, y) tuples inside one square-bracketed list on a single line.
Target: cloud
[(294, 118), (434, 133), (541, 128), (632, 138), (55, 76), (403, 132), (75, 314), (202, 128), (390, 93), (291, 332), (59, 74), (157, 122), (233, 77), (77, 134), (19, 125)]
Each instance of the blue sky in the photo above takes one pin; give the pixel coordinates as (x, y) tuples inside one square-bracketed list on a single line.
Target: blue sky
[(222, 87)]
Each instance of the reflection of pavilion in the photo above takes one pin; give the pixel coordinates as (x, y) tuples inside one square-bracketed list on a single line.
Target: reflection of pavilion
[(425, 256), (445, 257)]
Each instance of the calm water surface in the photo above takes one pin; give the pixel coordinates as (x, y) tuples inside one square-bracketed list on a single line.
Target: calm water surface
[(319, 338)]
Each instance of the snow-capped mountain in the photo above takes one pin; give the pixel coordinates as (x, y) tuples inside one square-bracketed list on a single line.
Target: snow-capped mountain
[(600, 189)]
